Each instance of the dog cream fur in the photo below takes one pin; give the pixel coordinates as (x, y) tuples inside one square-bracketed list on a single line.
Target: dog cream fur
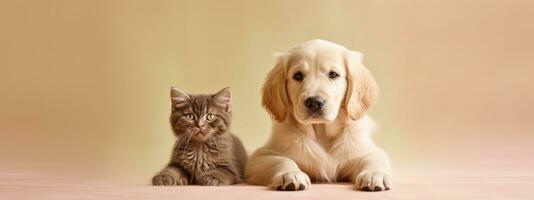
[(335, 146)]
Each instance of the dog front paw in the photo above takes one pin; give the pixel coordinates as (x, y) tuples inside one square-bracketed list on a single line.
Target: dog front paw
[(291, 181), (166, 178), (369, 180)]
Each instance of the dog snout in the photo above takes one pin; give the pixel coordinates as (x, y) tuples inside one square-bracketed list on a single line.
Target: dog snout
[(314, 103)]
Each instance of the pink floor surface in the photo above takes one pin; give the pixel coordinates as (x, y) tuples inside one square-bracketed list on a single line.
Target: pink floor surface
[(408, 185)]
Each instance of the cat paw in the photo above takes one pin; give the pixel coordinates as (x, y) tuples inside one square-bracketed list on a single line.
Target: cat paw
[(369, 180), (212, 181), (167, 179), (291, 181)]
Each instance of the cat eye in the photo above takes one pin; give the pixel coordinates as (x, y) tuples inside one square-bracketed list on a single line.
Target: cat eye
[(210, 117), (298, 76), (333, 75), (190, 117)]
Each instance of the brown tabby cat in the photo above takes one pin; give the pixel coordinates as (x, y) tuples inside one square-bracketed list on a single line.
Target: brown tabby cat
[(205, 153)]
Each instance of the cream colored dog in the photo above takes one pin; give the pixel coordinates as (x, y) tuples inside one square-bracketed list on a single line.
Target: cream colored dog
[(318, 93)]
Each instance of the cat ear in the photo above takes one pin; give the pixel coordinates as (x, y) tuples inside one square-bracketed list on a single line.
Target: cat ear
[(178, 97), (223, 98)]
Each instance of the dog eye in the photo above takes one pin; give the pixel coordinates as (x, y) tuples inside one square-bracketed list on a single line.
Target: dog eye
[(333, 75), (298, 76)]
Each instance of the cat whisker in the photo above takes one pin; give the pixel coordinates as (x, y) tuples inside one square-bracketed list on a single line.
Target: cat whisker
[(183, 139), (216, 146), (180, 140), (188, 140)]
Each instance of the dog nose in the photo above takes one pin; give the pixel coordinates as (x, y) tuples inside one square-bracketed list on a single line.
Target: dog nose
[(315, 103)]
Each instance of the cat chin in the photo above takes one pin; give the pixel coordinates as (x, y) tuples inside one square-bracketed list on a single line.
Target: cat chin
[(201, 137)]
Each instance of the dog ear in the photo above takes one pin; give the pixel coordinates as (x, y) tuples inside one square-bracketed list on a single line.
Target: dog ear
[(362, 89), (274, 92), (178, 97), (223, 98)]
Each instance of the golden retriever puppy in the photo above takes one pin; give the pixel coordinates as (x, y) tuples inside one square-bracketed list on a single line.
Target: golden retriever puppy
[(318, 93)]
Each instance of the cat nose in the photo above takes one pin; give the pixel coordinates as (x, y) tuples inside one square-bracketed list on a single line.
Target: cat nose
[(200, 123)]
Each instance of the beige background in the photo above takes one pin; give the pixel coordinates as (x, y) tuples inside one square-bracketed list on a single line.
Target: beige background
[(84, 84)]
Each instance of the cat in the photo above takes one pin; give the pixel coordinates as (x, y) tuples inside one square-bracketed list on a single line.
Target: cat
[(205, 152)]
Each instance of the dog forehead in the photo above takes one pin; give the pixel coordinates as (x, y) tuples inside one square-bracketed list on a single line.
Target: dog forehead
[(320, 43), (328, 58), (318, 56)]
